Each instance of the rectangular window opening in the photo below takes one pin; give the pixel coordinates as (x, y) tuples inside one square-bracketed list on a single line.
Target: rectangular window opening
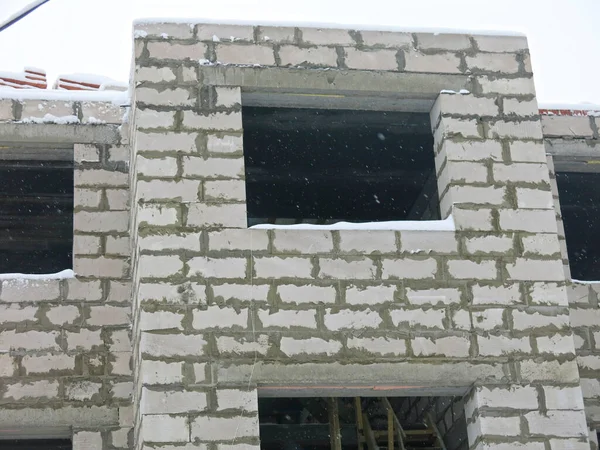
[(36, 207), (313, 423), (579, 194), (323, 166), (36, 444)]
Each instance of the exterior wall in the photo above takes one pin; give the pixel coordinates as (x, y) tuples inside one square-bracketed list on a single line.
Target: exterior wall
[(65, 352), (224, 309)]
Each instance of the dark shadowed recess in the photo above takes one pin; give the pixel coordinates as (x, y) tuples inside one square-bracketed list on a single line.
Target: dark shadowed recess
[(324, 166), (579, 195), (36, 216), (36, 444)]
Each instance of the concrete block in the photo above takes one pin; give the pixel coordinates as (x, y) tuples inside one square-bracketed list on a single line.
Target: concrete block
[(159, 242), (150, 266), (228, 96), (540, 244), (417, 269), (488, 319), (16, 313), (82, 390), (367, 242), (439, 63), (165, 30), (236, 239), (584, 317), (87, 198), (557, 423), (418, 318), (156, 167), (241, 292), (386, 39), (288, 319), (320, 56), (438, 242), (30, 390), (87, 440), (556, 345), (277, 35), (472, 150), (495, 426), (310, 346), (118, 199), (157, 215), (172, 402), (464, 128), (513, 397), (226, 190), (369, 295), (149, 119), (506, 86), (171, 345), (302, 241), (502, 345), (346, 319), (84, 290), (219, 121), (371, 60), (254, 55), (442, 41), (516, 107), (84, 340), (213, 168), (527, 152), (217, 267), (533, 221), (444, 296), (535, 270), (359, 269), (207, 428), (226, 143), (166, 97), (493, 62), (159, 320), (165, 428), (274, 267), (306, 294), (561, 126), (245, 400), (525, 172), (154, 74), (29, 290), (172, 141), (326, 36), (159, 372), (507, 44), (508, 294), (61, 315), (534, 199), (489, 244), (464, 269), (515, 130), (450, 346), (381, 346), (217, 317), (224, 215), (242, 346), (220, 32), (44, 364), (179, 52), (109, 315), (183, 190), (101, 222), (523, 320)]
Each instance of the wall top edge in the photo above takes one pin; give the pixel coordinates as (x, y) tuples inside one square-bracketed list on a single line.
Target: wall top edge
[(325, 25)]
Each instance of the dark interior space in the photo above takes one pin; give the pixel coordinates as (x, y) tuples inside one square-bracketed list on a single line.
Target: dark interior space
[(352, 423), (36, 216), (579, 194), (325, 166), (36, 444)]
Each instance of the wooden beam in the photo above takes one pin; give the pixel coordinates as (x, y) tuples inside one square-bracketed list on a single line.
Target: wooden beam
[(334, 424), (359, 423), (369, 435)]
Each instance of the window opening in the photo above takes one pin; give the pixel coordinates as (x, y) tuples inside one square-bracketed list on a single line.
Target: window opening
[(579, 194), (317, 423), (36, 444), (324, 166), (36, 210)]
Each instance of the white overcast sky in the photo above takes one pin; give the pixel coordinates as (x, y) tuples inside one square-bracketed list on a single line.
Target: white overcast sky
[(94, 36)]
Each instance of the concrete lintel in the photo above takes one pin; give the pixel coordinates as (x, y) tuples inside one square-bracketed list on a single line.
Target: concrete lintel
[(289, 80), (61, 134), (360, 391)]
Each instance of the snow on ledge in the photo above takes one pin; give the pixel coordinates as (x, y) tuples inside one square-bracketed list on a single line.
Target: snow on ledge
[(325, 25), (396, 225), (118, 98), (62, 275), (585, 282)]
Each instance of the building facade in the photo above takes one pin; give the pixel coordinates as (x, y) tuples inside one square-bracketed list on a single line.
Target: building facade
[(181, 317)]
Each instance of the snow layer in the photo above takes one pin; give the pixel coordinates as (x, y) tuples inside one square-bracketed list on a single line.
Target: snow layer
[(399, 225), (151, 20), (92, 79), (585, 282), (49, 118), (68, 273), (119, 98), (570, 106)]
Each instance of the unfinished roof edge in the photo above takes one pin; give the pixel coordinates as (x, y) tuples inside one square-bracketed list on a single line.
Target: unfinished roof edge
[(119, 98), (343, 26)]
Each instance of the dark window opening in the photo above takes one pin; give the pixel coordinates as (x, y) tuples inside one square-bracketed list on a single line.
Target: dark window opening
[(352, 423), (36, 444), (36, 214), (325, 166), (579, 195)]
